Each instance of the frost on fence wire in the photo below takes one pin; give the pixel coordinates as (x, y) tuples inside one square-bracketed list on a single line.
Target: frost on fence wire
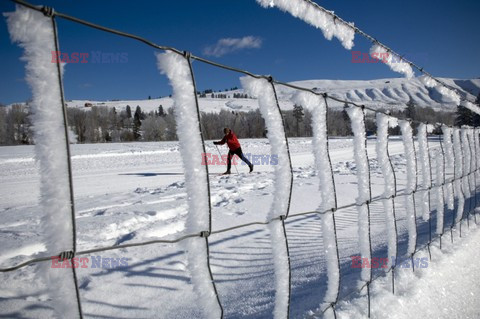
[(383, 123), (448, 93), (466, 162), (316, 105), (34, 33), (312, 15), (449, 161), (477, 151), (409, 148), (472, 107), (471, 165), (363, 177), (458, 167), (439, 190), (263, 90), (395, 63), (424, 158), (177, 69)]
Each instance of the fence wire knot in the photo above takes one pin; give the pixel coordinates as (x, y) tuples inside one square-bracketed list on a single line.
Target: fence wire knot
[(204, 234), (66, 255), (48, 11)]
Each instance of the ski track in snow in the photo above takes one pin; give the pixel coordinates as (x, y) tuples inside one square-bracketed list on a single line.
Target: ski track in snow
[(135, 192)]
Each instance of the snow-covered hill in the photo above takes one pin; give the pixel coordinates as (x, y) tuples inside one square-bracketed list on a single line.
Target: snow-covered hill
[(384, 93)]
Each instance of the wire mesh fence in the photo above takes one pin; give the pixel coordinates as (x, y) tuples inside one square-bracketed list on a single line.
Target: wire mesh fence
[(403, 204)]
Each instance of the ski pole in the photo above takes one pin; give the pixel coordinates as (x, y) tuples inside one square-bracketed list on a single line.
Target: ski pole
[(221, 157)]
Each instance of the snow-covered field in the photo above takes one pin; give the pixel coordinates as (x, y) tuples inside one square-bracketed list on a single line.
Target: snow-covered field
[(135, 192)]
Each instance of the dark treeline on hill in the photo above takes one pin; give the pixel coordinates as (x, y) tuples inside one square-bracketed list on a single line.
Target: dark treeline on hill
[(103, 125)]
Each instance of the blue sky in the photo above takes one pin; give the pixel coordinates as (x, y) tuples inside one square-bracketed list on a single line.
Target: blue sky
[(441, 35)]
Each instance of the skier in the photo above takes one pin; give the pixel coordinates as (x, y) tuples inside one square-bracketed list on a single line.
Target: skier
[(231, 139)]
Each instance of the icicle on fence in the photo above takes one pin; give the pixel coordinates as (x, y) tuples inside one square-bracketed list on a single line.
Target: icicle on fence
[(471, 168), (476, 175), (439, 189), (449, 160), (465, 146), (390, 188), (328, 200), (458, 176), (466, 156), (178, 70), (477, 151), (424, 157), (36, 34), (264, 90), (363, 178), (407, 137)]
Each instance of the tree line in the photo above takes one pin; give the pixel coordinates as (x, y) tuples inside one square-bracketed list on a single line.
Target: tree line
[(101, 124)]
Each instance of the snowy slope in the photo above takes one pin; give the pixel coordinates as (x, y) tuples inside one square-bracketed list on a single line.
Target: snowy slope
[(387, 93)]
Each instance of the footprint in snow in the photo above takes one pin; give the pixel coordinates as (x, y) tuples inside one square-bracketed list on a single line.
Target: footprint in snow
[(100, 212), (178, 265), (125, 238)]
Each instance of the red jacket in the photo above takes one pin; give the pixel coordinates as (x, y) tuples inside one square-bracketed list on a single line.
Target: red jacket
[(231, 140)]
